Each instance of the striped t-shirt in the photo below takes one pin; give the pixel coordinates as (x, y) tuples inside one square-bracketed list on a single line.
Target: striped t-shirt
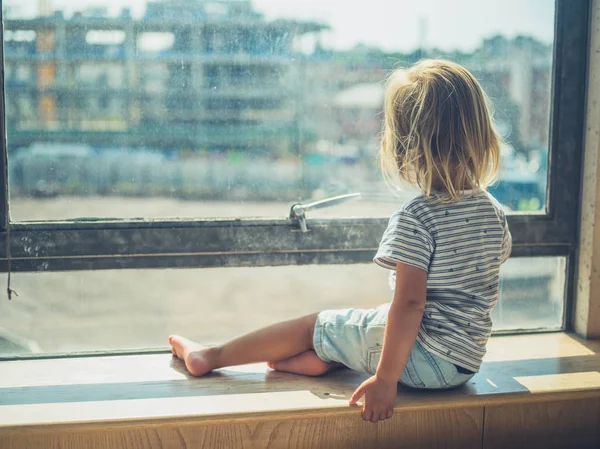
[(461, 245)]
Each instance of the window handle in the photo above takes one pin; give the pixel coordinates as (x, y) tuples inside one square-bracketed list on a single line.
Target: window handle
[(298, 210)]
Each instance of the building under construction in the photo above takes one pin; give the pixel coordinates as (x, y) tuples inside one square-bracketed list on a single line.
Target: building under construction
[(189, 74)]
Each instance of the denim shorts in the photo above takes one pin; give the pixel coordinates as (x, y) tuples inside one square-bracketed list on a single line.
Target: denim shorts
[(354, 338)]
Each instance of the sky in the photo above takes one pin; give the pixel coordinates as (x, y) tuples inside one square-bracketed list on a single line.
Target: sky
[(393, 25)]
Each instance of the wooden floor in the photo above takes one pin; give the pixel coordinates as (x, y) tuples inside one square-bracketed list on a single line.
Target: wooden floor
[(532, 391)]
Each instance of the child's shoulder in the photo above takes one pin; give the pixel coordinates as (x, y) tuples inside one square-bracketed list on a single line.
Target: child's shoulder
[(413, 207), (422, 205)]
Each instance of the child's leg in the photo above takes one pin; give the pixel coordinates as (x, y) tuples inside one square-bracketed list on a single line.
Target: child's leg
[(307, 363), (273, 343)]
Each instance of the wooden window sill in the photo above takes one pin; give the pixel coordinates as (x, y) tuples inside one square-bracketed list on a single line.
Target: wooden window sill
[(150, 388)]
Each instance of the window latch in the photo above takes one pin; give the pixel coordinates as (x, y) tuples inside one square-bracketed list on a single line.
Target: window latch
[(298, 210)]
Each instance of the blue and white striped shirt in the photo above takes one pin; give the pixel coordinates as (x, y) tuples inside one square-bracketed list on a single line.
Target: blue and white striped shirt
[(461, 245)]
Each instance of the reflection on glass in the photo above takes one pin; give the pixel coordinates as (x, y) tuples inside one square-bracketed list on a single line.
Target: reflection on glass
[(114, 310), (235, 108)]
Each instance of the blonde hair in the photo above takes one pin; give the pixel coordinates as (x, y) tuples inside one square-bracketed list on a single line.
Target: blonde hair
[(438, 131)]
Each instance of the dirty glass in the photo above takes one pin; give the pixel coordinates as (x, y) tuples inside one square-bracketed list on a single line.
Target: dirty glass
[(137, 309), (190, 108)]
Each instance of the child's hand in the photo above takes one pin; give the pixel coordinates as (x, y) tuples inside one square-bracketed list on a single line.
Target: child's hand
[(380, 396)]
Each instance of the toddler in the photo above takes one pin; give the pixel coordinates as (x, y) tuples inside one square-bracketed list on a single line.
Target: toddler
[(443, 249)]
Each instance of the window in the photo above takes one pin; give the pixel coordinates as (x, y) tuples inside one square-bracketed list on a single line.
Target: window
[(128, 132), (65, 312)]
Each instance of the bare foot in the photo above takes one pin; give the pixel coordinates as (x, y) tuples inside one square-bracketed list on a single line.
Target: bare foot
[(307, 363), (198, 359)]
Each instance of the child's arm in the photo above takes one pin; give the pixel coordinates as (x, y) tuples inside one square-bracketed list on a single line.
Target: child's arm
[(404, 319)]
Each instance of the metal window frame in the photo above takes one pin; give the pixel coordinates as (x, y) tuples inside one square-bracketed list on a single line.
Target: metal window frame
[(136, 244)]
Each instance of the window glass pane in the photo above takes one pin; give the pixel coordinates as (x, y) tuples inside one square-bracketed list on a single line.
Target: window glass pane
[(532, 294), (113, 310), (238, 108)]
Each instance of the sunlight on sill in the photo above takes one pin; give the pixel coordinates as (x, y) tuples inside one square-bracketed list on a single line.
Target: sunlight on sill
[(197, 407), (94, 370), (541, 346), (561, 382)]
